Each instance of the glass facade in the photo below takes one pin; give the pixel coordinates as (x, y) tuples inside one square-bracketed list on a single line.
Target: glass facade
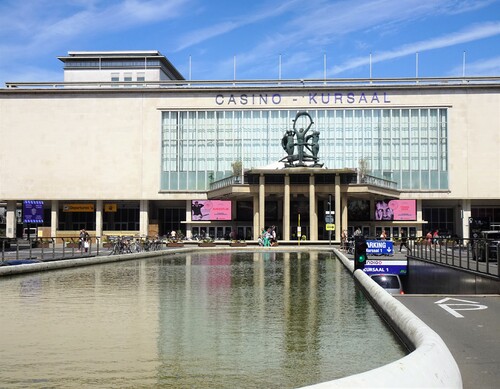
[(408, 146)]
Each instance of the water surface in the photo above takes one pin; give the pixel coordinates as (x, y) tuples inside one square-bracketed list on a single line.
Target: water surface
[(208, 320)]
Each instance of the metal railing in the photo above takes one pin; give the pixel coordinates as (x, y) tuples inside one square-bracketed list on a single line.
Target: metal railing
[(367, 179), (478, 255), (260, 83), (58, 248), (225, 182), (47, 249)]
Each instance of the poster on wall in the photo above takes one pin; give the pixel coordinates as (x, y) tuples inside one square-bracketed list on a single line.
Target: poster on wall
[(209, 210), (398, 210), (33, 211)]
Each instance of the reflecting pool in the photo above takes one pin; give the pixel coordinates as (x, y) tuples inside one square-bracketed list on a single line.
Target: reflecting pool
[(270, 319)]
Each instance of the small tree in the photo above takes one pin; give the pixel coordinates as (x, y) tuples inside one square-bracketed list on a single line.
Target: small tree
[(363, 168), (237, 167)]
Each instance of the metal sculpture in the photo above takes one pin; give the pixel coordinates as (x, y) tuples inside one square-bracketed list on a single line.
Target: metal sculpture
[(302, 149)]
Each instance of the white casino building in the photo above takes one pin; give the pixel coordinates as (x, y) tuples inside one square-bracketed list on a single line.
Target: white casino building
[(125, 144)]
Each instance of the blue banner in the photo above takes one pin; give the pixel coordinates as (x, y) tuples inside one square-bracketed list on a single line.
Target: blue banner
[(33, 211), (380, 247), (386, 266)]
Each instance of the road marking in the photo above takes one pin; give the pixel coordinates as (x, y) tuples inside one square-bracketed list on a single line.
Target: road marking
[(466, 304)]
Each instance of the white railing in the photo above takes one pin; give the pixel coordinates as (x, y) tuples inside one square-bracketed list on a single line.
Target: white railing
[(273, 83)]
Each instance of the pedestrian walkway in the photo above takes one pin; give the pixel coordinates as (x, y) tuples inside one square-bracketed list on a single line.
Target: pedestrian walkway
[(469, 327)]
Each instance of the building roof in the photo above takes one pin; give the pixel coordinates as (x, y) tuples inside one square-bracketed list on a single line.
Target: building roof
[(77, 56)]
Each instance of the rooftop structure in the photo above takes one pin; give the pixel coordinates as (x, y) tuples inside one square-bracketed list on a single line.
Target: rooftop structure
[(118, 66)]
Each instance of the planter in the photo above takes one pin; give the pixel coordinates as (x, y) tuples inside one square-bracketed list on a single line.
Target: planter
[(72, 245), (106, 245), (206, 244), (175, 244), (237, 244), (44, 245)]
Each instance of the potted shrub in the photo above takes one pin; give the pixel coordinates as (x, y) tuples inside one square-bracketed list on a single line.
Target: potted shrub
[(106, 242), (174, 241), (207, 242), (42, 243), (237, 243)]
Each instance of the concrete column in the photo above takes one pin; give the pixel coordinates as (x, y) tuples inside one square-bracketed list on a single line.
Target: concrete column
[(373, 227), (465, 214), (189, 231), (262, 202), (98, 217), (10, 226), (256, 218), (338, 223), (286, 209), (313, 214), (420, 226), (143, 217), (345, 213), (54, 217)]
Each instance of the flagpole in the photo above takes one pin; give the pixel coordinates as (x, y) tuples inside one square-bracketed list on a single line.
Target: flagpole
[(324, 67), (279, 67), (370, 65), (463, 65), (416, 65), (234, 68), (189, 68)]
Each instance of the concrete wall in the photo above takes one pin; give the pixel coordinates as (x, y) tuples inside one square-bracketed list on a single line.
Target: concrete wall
[(428, 277), (106, 145)]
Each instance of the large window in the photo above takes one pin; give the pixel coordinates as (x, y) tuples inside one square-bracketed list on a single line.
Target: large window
[(409, 146)]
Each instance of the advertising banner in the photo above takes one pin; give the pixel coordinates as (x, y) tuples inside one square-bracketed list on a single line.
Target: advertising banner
[(33, 211), (398, 210), (210, 210)]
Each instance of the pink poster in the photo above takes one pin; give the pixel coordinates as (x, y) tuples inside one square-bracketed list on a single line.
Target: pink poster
[(404, 209), (210, 210), (396, 210)]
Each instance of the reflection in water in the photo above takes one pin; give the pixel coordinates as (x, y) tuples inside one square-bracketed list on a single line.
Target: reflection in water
[(212, 320)]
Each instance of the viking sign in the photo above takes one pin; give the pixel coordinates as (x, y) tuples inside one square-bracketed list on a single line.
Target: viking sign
[(300, 146)]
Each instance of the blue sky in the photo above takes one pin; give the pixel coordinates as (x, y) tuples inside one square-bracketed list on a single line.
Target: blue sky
[(217, 36)]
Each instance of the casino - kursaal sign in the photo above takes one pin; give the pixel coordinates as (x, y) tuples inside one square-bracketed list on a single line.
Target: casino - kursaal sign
[(311, 98)]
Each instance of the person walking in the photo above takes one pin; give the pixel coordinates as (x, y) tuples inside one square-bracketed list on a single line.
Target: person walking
[(404, 242)]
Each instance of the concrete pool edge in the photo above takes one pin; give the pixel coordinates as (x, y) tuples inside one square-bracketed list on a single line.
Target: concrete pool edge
[(431, 364)]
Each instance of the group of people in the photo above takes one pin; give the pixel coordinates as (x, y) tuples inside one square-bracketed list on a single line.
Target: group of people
[(383, 236), (432, 237), (268, 237)]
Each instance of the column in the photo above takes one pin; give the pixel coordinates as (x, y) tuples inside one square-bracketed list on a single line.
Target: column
[(189, 231), (256, 218), (262, 202), (345, 213), (465, 214), (420, 232), (11, 220), (286, 209), (143, 217), (98, 218), (338, 216), (54, 217), (313, 215)]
